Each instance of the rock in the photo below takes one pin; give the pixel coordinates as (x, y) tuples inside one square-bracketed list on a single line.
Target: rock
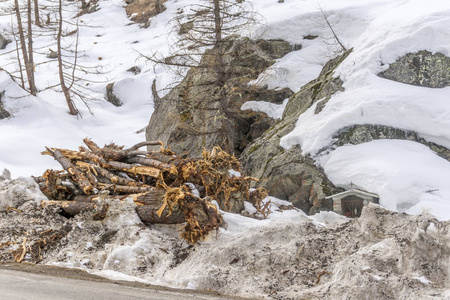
[(3, 112), (140, 11), (358, 134), (16, 192), (52, 54), (188, 123), (111, 97), (135, 70), (186, 27), (287, 174), (4, 42), (422, 68)]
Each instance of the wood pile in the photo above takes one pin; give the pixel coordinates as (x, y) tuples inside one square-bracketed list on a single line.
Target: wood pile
[(166, 188)]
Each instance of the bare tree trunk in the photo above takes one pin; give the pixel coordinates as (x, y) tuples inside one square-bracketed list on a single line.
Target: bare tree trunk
[(66, 91), (219, 64), (37, 19), (23, 43), (30, 51), (22, 82)]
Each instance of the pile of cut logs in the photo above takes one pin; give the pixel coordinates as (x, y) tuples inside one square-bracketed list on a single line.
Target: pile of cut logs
[(165, 188)]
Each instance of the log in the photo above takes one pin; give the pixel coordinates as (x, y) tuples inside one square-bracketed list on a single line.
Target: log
[(125, 188), (146, 143), (110, 176), (76, 175), (71, 208), (148, 208), (90, 156), (150, 162), (110, 153)]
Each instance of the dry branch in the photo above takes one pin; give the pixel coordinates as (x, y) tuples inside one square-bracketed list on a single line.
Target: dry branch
[(159, 183)]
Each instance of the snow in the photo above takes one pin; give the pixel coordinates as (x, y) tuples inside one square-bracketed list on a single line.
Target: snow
[(114, 275), (275, 111), (407, 176), (422, 279)]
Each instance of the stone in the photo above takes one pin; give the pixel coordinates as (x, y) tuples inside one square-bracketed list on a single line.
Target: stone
[(140, 11), (4, 42), (111, 97), (3, 112), (135, 70), (286, 173), (358, 134), (422, 68), (189, 117)]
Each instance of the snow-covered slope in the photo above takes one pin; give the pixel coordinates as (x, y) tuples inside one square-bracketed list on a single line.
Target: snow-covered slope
[(378, 31), (403, 174)]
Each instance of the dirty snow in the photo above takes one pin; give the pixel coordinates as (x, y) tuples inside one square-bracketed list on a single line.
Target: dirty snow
[(289, 256)]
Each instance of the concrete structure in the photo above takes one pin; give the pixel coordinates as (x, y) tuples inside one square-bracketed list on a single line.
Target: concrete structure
[(351, 202)]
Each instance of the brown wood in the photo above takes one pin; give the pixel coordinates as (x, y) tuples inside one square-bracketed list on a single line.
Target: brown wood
[(147, 207), (150, 162), (76, 175), (71, 208), (125, 189), (72, 109), (130, 168)]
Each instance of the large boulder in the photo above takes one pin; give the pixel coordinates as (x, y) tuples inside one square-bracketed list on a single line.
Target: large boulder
[(422, 68), (190, 117), (286, 173)]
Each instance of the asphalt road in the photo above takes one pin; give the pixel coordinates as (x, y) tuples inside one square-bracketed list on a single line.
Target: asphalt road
[(15, 285)]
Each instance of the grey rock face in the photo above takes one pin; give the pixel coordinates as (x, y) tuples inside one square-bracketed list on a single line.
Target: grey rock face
[(111, 97), (422, 69), (287, 174), (190, 117), (359, 134), (4, 42)]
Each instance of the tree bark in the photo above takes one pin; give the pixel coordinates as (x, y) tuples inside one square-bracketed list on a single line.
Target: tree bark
[(219, 64), (66, 91), (30, 51), (147, 207), (23, 43), (76, 175), (37, 19)]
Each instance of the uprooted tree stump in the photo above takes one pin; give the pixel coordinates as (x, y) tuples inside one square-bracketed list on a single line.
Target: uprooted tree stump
[(166, 189)]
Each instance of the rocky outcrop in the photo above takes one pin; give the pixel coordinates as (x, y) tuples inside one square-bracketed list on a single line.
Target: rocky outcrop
[(3, 112), (189, 118), (422, 68), (358, 134), (287, 174)]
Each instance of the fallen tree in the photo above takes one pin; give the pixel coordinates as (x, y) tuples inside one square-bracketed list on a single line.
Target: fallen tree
[(166, 189)]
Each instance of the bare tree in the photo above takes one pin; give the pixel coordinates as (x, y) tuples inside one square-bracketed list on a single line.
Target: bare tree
[(27, 55), (65, 89), (335, 38), (37, 19), (30, 50), (206, 26)]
